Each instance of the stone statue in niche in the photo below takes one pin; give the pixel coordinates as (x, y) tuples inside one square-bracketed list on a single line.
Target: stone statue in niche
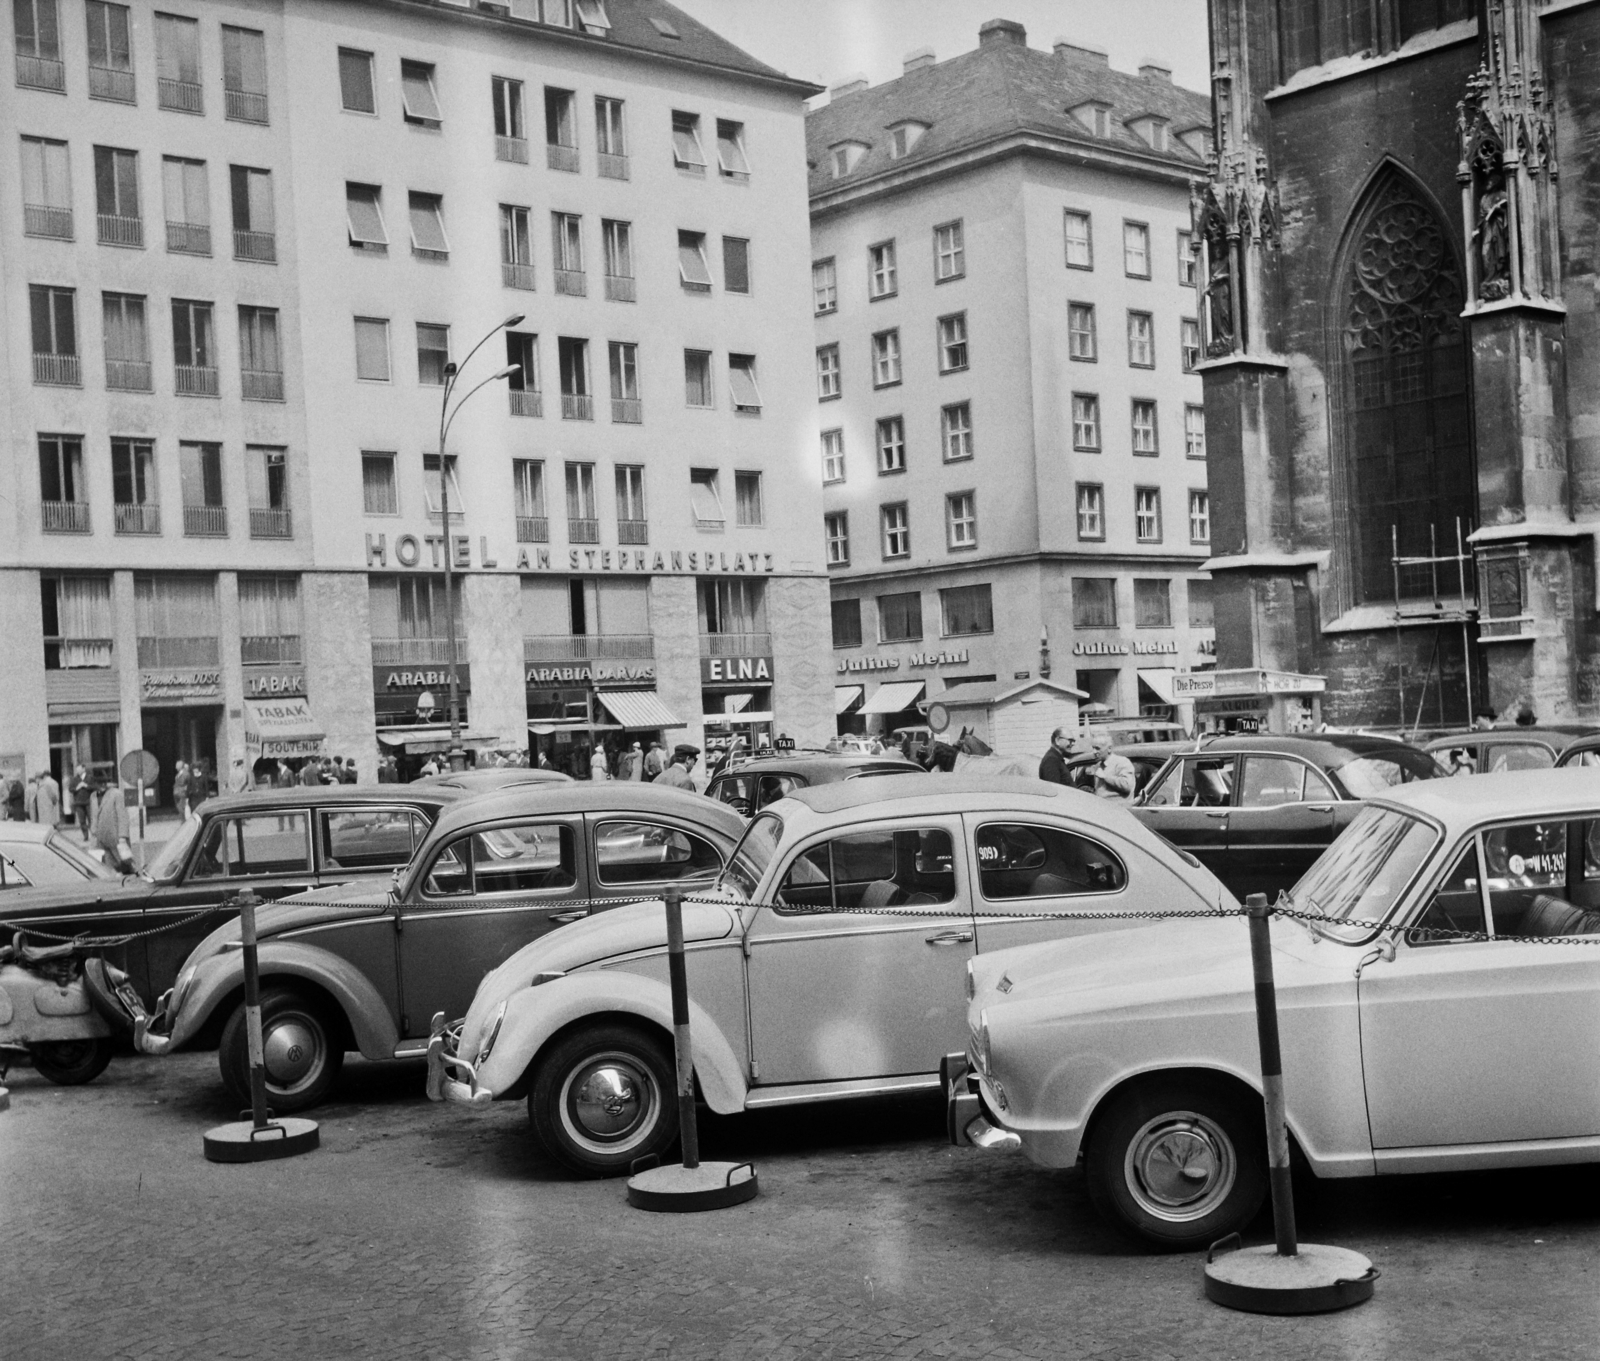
[(1491, 234), (1219, 295)]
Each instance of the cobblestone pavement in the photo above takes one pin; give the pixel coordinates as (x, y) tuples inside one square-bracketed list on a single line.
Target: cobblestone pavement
[(427, 1232)]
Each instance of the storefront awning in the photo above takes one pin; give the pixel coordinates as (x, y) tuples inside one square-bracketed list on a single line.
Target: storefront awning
[(424, 739), (893, 697), (1159, 679), (639, 709), (844, 696), (281, 727)]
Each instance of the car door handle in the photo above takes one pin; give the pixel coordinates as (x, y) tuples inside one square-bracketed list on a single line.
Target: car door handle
[(565, 917), (1218, 812), (1319, 808), (951, 938)]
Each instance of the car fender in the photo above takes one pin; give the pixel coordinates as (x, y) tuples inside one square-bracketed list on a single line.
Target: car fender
[(534, 1014), (223, 974)]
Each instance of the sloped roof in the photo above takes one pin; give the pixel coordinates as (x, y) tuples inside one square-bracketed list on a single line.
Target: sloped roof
[(1000, 87), (996, 692)]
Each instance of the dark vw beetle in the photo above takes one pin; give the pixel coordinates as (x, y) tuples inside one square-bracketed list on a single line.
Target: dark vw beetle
[(749, 788)]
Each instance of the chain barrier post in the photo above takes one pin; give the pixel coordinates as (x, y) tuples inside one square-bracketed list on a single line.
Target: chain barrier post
[(261, 1137), (1288, 1277), (689, 1185)]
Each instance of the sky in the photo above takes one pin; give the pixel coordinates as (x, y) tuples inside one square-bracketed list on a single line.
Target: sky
[(827, 41)]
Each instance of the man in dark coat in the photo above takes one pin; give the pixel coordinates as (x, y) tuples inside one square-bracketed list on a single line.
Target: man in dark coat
[(1054, 765)]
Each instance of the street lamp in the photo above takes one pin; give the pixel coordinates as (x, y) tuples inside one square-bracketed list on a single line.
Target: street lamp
[(458, 756)]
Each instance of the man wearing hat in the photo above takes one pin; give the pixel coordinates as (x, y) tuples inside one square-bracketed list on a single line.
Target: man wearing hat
[(676, 775)]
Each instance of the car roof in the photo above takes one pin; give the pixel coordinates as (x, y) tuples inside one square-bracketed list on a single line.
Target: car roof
[(1324, 749), (915, 789), (493, 777), (1514, 793), (829, 767), (589, 796), (321, 796), (1555, 735), (16, 832)]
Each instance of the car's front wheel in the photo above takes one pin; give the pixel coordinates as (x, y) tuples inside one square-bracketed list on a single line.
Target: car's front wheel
[(1178, 1162), (69, 1063), (602, 1097), (301, 1056)]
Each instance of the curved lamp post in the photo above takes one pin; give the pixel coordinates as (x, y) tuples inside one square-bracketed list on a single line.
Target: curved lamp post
[(458, 755)]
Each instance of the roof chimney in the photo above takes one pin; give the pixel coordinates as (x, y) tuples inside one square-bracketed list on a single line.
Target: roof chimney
[(915, 61), (1002, 31), (849, 86), (1083, 52), (1150, 69)]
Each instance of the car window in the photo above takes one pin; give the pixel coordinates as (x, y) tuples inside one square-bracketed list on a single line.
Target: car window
[(1019, 860), (1195, 782), (771, 788), (74, 853), (1525, 866), (1271, 780), (168, 861), (1367, 775), (1459, 760), (733, 790), (1589, 756), (1456, 905), (11, 875), (900, 867), (647, 852), (1370, 864), (255, 845), (752, 856), (1520, 756), (524, 858), (449, 876), (368, 838)]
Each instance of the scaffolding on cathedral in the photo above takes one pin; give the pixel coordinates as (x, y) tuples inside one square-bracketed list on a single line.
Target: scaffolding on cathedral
[(1422, 594)]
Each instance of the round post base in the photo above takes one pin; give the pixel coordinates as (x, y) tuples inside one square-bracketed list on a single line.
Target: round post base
[(676, 1189), (1317, 1280), (242, 1142)]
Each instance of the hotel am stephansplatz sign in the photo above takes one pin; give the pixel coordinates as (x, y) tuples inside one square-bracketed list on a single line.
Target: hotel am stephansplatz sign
[(426, 551)]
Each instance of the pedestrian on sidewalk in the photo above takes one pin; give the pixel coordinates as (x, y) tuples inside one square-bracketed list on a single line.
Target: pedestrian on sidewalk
[(676, 775), (180, 790), (82, 793), (111, 830), (49, 799)]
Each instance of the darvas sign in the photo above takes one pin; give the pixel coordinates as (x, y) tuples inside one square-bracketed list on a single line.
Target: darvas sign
[(547, 676)]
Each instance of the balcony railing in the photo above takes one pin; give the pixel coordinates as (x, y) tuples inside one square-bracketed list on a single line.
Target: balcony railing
[(195, 380), (572, 282), (169, 652), (266, 523), (611, 167), (562, 157), (262, 246), (205, 522), (129, 375), (105, 83), (533, 529), (143, 518), (273, 649), (626, 410), (513, 149), (415, 651), (516, 276), (577, 406), (588, 647), (188, 238), (244, 107), (582, 531), (622, 288), (116, 229), (65, 517), (261, 385), (185, 96), (735, 644), (58, 370), (41, 73), (39, 219), (633, 531), (526, 403)]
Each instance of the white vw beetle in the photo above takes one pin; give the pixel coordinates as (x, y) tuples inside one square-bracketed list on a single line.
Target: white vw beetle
[(793, 997), (1402, 1052)]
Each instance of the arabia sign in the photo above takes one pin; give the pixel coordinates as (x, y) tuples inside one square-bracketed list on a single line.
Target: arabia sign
[(555, 676), (409, 680)]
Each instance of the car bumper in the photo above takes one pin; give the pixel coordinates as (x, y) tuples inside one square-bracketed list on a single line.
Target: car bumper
[(966, 1116), (451, 1078)]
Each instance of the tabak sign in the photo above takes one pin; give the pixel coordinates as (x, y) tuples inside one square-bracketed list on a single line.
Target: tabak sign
[(267, 684), (555, 677), (736, 670)]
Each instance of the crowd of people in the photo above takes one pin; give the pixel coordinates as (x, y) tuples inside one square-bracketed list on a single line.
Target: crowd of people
[(90, 803), (1088, 761)]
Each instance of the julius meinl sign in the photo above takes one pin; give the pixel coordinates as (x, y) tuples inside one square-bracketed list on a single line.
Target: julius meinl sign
[(408, 552)]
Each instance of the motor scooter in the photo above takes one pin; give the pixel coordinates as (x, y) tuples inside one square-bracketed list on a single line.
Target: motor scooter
[(61, 1009)]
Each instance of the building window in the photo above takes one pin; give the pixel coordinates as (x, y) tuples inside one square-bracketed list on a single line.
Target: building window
[(955, 431), (254, 222), (127, 342), (885, 358), (419, 98), (610, 139), (428, 241), (46, 189), (1189, 339), (451, 491), (591, 17), (953, 343), (1311, 32), (61, 486), (705, 499), (561, 129), (846, 158), (824, 287), (903, 137), (836, 529), (516, 248), (372, 350), (1080, 243), (77, 629), (380, 491), (116, 197), (687, 153), (1144, 428), (178, 64), (694, 272), (961, 520), (1199, 517), (269, 619), (833, 456), (135, 495), (53, 313), (357, 89), (260, 356), (244, 74), (1091, 512), (617, 242), (363, 210), (731, 158), (949, 252), (892, 445), (38, 35), (194, 348), (1147, 514), (527, 496), (828, 378), (572, 359), (1141, 340), (510, 132), (433, 353), (735, 264), (524, 386), (883, 276), (1095, 117), (1085, 421), (1186, 261), (267, 484), (1152, 603), (583, 510), (900, 617), (749, 512), (205, 515), (566, 235), (632, 525), (1080, 332), (188, 205), (846, 623), (895, 521), (1201, 614), (1094, 602), (1194, 431), (966, 610), (1136, 250), (742, 383), (697, 378), (626, 408)]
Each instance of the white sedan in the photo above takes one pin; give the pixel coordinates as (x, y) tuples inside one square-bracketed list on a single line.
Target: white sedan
[(1436, 1047), (796, 994)]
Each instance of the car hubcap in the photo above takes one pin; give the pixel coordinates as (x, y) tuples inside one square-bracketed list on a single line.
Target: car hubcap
[(292, 1050), (610, 1102), (1180, 1166)]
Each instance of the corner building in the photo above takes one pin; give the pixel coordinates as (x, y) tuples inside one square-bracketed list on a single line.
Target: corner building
[(251, 237), (1012, 439)]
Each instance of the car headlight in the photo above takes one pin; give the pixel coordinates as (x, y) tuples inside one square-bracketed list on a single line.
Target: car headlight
[(985, 1055), (493, 1032), (972, 982)]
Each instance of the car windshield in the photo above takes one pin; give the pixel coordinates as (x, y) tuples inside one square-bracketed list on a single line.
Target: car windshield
[(1362, 875), (752, 856), (169, 859), (1372, 774), (81, 860)]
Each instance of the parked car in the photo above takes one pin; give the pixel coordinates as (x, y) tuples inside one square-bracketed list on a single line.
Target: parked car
[(752, 786), (1584, 752), (1484, 751), (1137, 1055), (795, 994), (361, 969), (35, 856), (491, 779), (275, 841), (1258, 809)]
